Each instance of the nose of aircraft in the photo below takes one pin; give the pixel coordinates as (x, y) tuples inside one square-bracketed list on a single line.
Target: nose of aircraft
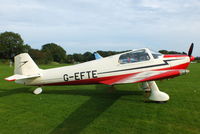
[(192, 58)]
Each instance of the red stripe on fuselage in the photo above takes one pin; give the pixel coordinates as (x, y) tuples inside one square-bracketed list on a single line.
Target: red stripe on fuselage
[(166, 75), (181, 66)]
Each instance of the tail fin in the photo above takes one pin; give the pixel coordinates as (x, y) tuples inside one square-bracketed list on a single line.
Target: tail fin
[(24, 65), (25, 68), (97, 56)]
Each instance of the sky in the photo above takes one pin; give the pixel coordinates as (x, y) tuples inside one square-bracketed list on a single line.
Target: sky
[(90, 25)]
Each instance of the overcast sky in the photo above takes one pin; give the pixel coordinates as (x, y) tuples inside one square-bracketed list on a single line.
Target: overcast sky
[(90, 25)]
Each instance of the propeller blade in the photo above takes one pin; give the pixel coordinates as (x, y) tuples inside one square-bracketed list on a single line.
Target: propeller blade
[(190, 50)]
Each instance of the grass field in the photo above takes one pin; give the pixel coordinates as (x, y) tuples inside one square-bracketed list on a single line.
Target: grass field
[(97, 109)]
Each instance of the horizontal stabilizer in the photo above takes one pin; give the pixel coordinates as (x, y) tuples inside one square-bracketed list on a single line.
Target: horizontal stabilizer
[(21, 77)]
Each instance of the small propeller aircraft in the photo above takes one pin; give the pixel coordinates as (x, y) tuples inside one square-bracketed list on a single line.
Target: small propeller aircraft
[(141, 65)]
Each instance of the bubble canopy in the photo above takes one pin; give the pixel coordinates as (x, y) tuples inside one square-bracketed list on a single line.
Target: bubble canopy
[(138, 56)]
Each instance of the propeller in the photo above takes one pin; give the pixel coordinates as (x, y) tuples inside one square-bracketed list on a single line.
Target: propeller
[(190, 50)]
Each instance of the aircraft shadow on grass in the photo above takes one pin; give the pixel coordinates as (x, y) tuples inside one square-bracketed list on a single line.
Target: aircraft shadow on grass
[(99, 102), (4, 92)]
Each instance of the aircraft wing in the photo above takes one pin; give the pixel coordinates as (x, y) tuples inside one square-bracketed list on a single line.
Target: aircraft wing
[(21, 77), (145, 76)]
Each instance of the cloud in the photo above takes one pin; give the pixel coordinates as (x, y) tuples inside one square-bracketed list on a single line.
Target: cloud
[(112, 24)]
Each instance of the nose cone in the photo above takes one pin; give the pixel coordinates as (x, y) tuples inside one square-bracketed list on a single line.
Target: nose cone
[(192, 58)]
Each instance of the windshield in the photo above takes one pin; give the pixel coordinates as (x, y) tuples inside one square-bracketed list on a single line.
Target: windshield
[(134, 56), (156, 55)]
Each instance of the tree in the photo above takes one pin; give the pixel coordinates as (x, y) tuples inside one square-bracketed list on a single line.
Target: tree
[(163, 51), (54, 51), (70, 58), (39, 56), (171, 52), (88, 56), (78, 57), (109, 53), (27, 48), (11, 44)]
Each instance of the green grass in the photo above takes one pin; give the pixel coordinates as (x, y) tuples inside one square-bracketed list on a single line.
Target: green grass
[(98, 109)]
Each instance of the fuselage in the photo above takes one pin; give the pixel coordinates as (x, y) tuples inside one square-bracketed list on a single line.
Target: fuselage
[(93, 72)]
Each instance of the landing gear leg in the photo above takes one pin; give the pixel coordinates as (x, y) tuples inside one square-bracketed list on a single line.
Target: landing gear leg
[(145, 87), (156, 94), (37, 90)]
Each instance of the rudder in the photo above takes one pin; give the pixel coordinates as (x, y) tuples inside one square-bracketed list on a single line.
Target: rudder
[(24, 65)]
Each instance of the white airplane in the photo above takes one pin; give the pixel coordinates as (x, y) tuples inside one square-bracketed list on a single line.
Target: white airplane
[(141, 65)]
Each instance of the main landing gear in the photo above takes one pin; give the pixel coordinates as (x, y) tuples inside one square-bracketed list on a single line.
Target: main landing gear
[(145, 87), (37, 90), (156, 95)]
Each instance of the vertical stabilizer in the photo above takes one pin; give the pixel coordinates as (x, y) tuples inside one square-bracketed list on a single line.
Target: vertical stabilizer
[(24, 65), (97, 56)]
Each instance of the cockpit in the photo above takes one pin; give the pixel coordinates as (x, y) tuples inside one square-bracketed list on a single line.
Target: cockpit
[(138, 56)]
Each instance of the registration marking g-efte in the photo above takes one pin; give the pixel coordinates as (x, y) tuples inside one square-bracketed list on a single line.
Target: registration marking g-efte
[(81, 75)]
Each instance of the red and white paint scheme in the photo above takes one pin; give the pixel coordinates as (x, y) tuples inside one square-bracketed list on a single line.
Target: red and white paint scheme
[(141, 65)]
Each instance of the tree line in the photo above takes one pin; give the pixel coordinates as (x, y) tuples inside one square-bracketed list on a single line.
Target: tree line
[(12, 44)]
